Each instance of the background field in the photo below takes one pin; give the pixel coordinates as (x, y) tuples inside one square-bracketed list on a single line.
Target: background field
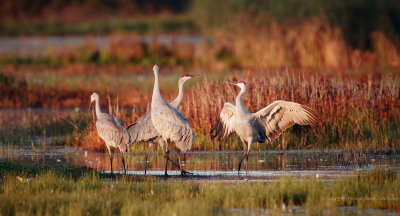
[(340, 58)]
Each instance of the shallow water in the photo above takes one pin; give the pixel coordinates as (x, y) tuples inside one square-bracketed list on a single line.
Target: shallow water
[(262, 165), (217, 165), (300, 210), (208, 167)]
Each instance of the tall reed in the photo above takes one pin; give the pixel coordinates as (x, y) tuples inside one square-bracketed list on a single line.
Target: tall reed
[(360, 109)]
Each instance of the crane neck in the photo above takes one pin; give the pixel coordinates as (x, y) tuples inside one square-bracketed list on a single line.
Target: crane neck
[(179, 98), (97, 107), (239, 104), (156, 89)]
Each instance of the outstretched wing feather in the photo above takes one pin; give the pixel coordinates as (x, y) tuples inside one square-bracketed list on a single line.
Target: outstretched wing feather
[(281, 115), (226, 124)]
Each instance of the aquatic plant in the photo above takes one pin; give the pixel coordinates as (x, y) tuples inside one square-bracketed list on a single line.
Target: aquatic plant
[(52, 190)]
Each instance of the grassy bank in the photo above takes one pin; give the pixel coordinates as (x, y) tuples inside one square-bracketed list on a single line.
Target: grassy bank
[(62, 190)]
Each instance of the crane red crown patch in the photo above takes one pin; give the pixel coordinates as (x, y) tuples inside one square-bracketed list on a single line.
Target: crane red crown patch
[(185, 75), (243, 82)]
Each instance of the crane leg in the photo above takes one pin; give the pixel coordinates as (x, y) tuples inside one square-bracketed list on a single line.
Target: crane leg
[(123, 163), (111, 158), (245, 156), (111, 164), (146, 158), (240, 163), (166, 161), (247, 162), (167, 158), (165, 151), (184, 172)]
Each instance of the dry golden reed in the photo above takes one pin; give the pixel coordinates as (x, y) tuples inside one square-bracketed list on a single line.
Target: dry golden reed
[(314, 43), (350, 106), (311, 44), (330, 96)]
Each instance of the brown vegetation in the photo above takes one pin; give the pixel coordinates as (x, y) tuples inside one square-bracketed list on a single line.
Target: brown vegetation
[(333, 97), (356, 111), (355, 92), (311, 44)]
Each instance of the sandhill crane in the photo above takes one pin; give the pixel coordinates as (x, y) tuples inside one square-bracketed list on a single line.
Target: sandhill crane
[(112, 130), (262, 126), (142, 130), (169, 122)]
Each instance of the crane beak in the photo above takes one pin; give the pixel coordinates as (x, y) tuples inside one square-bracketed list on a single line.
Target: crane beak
[(194, 75), (90, 105)]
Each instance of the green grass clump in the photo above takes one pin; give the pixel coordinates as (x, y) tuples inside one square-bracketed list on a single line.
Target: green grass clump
[(14, 169), (38, 190)]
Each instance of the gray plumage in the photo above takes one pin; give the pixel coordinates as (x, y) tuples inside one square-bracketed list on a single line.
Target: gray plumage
[(168, 121), (262, 126), (143, 130), (111, 130)]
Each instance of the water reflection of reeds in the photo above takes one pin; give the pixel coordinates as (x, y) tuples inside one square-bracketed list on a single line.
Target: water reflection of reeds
[(264, 161)]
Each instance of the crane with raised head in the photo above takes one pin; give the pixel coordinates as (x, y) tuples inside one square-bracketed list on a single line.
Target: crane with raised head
[(262, 126), (142, 130), (169, 122), (112, 130)]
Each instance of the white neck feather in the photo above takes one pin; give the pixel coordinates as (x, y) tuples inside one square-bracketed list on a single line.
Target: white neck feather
[(239, 104), (179, 98), (97, 107), (156, 89)]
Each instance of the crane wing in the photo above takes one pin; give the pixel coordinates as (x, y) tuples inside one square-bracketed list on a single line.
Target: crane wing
[(118, 121), (173, 125), (280, 115), (226, 124), (107, 122), (111, 131), (143, 130)]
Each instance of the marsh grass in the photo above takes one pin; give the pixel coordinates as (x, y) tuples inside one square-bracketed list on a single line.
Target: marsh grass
[(70, 86), (34, 128), (62, 190), (357, 111)]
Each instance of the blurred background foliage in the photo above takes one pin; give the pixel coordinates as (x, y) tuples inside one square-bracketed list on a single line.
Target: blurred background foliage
[(357, 19)]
